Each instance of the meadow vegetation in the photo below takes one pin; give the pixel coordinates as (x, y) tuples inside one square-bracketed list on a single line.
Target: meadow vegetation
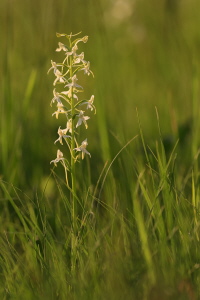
[(138, 212)]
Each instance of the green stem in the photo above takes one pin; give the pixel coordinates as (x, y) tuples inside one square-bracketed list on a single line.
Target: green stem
[(73, 178)]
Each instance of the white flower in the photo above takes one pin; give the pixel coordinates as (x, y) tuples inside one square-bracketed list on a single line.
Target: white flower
[(82, 148), (60, 110), (58, 158), (86, 69), (56, 97), (61, 47), (90, 104), (73, 52), (82, 119), (59, 77), (54, 66), (73, 82), (79, 58), (69, 94), (62, 134)]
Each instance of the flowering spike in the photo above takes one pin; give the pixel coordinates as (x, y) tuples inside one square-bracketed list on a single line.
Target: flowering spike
[(67, 100)]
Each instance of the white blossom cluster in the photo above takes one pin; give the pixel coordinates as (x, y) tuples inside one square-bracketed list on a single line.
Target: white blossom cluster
[(66, 100)]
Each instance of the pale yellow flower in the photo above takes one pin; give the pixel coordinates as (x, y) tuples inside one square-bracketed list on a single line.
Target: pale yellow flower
[(73, 52), (69, 93), (86, 69), (62, 134), (73, 83), (59, 77), (90, 104), (56, 97), (82, 119), (61, 47), (58, 158), (82, 148), (60, 110), (54, 66), (79, 58)]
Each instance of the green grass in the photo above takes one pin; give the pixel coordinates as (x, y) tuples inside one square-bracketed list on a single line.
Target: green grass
[(138, 223)]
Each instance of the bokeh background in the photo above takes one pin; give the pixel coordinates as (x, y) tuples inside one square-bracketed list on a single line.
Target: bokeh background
[(144, 54)]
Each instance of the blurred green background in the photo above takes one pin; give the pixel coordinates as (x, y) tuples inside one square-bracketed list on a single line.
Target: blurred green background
[(138, 219), (144, 54)]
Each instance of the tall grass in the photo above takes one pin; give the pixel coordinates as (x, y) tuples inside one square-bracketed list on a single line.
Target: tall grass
[(138, 229)]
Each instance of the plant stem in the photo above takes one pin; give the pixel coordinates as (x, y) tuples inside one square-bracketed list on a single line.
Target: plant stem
[(73, 178)]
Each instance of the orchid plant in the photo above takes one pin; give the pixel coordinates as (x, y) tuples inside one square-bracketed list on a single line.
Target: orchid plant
[(66, 97)]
